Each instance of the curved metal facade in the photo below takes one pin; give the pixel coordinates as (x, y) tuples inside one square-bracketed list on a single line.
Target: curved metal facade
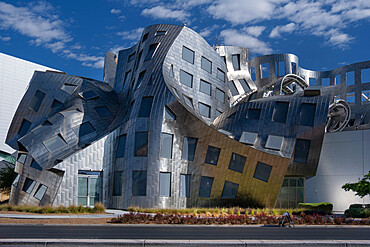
[(177, 124)]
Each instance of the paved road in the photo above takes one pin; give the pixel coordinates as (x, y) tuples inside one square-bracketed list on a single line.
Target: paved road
[(182, 232)]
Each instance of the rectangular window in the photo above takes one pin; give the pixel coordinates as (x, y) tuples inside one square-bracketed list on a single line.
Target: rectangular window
[(117, 183), (25, 126), (145, 107), (205, 87), (205, 186), (302, 148), (103, 111), (236, 61), (85, 129), (254, 114), (120, 153), (220, 75), (188, 55), (262, 172), (365, 75), (233, 89), (280, 112), (204, 110), (294, 68), (230, 190), (186, 78), (248, 138), (188, 101), (350, 78), (140, 79), (168, 113), (188, 148), (212, 155), (127, 76), (151, 51), (165, 184), (253, 73), (139, 183), (37, 100), (131, 57), (307, 114), (337, 80), (141, 144), (206, 65), (88, 95), (264, 70), (160, 33), (237, 162), (185, 185), (245, 86), (350, 97), (55, 106), (145, 37), (28, 185), (274, 142), (280, 69), (68, 88), (166, 145), (325, 82), (55, 143), (40, 192), (220, 95), (16, 180), (35, 165)]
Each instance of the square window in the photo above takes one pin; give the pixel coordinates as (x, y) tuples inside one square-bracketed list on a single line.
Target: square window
[(165, 184), (280, 112), (25, 126), (236, 61), (205, 87), (145, 107), (205, 186), (185, 185), (28, 185), (350, 78), (139, 183), (248, 138), (166, 145), (168, 113), (212, 155), (35, 165), (204, 110), (40, 192), (69, 88), (264, 70), (141, 144), (188, 55), (186, 78), (254, 114), (233, 89), (117, 183), (220, 95), (237, 162), (120, 152), (103, 111), (188, 148), (55, 143), (206, 65), (230, 190), (37, 100), (220, 75), (307, 114), (262, 172), (151, 51), (274, 142), (302, 148)]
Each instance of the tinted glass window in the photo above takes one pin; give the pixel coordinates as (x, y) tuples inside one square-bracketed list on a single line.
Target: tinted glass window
[(302, 148), (188, 55), (28, 185), (159, 33), (25, 126), (165, 184), (237, 162), (152, 49), (121, 146), (145, 37), (37, 100), (307, 114), (185, 185), (35, 165), (205, 87), (166, 145), (117, 183), (168, 114), (188, 101), (86, 128), (145, 107), (139, 183), (236, 61), (141, 144), (206, 65), (205, 186), (188, 148), (220, 95), (230, 190), (186, 78), (265, 70), (221, 75), (274, 142), (262, 172), (140, 79), (21, 158), (55, 143), (87, 95), (204, 110), (39, 194), (212, 155), (244, 84), (248, 137), (69, 88), (253, 74), (233, 89), (131, 57), (280, 112), (254, 114), (103, 111), (55, 106)]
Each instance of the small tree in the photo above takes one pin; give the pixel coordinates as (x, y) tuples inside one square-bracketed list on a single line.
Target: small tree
[(362, 187), (6, 178)]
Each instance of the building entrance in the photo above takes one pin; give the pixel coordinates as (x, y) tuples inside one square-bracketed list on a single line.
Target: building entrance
[(89, 187)]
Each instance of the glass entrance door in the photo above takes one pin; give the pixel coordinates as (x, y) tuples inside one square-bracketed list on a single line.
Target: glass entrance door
[(89, 187)]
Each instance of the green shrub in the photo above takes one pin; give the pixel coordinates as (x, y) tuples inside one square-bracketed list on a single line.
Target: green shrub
[(358, 211), (322, 207), (98, 208)]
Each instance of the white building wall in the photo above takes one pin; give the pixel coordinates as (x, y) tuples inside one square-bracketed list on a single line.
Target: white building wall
[(345, 157), (15, 74)]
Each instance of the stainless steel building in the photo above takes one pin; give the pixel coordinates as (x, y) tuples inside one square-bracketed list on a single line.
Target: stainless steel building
[(178, 123)]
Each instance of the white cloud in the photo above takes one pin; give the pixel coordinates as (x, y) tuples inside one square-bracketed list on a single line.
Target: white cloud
[(131, 35), (115, 11), (191, 3), (254, 30), (288, 28), (3, 38), (339, 39), (206, 32), (233, 37), (160, 12)]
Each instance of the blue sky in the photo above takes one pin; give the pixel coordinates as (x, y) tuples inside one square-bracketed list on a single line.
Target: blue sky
[(73, 36)]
